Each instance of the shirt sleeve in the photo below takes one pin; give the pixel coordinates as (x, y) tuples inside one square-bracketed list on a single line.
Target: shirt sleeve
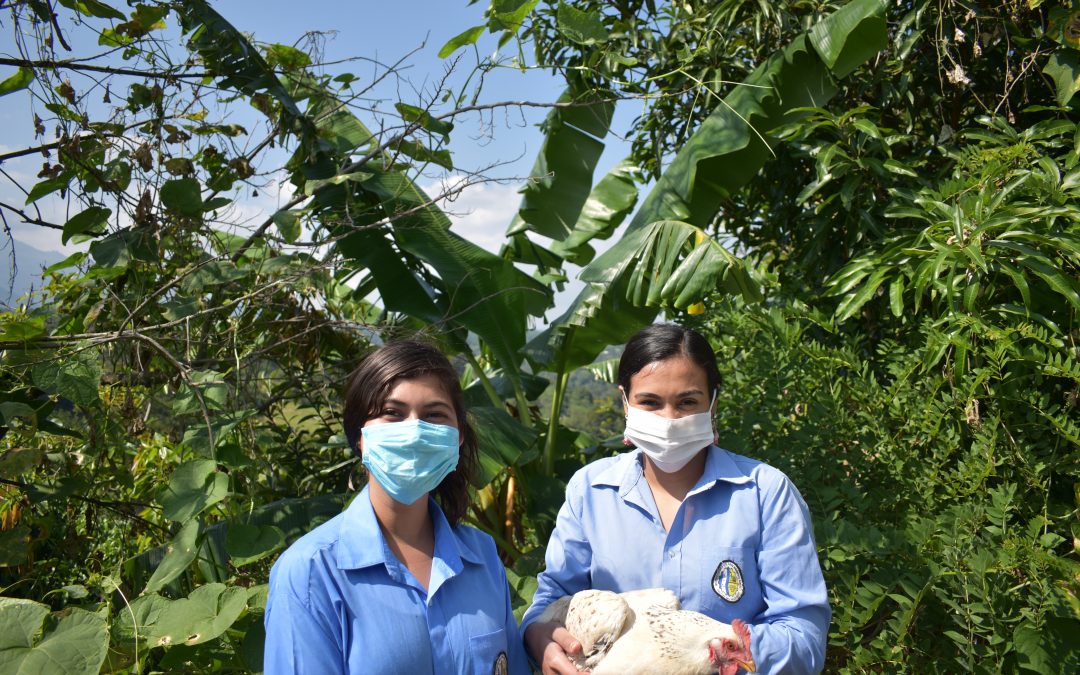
[(298, 638), (790, 635), (568, 558)]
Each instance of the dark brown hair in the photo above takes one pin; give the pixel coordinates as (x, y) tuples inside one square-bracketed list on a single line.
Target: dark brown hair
[(662, 341), (371, 383)]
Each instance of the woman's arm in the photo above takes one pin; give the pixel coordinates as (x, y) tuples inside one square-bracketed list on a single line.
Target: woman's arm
[(298, 639), (567, 563), (791, 634)]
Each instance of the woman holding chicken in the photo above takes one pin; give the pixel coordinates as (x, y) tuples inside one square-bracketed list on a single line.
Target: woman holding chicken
[(729, 535)]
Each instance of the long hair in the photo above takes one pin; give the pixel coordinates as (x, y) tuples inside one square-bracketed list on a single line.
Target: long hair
[(371, 383)]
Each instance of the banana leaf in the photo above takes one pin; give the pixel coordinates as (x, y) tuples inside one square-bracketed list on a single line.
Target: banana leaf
[(725, 152)]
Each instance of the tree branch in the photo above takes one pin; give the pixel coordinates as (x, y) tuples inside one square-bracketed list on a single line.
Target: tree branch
[(28, 219), (74, 64), (112, 506)]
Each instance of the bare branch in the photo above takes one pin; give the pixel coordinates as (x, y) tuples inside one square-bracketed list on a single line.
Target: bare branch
[(27, 218), (75, 64)]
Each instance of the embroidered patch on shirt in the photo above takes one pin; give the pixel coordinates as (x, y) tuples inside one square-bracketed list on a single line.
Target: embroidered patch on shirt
[(727, 581), (500, 666)]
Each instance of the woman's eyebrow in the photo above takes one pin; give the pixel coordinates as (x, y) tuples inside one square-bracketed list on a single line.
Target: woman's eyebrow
[(427, 406), (691, 392), (648, 394)]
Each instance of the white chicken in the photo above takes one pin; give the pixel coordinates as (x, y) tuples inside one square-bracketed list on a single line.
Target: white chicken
[(646, 631)]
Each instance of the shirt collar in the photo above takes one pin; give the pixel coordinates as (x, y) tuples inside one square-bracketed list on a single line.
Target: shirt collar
[(626, 471), (719, 466), (361, 543)]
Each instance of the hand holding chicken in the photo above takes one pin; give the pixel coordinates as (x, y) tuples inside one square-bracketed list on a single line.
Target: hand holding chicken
[(646, 631)]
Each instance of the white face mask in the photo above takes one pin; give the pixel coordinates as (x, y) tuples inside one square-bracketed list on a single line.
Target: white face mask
[(669, 443)]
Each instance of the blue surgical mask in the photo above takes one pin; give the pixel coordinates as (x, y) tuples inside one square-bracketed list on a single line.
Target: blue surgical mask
[(411, 458)]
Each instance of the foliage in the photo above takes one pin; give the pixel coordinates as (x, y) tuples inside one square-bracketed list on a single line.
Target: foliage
[(944, 519)]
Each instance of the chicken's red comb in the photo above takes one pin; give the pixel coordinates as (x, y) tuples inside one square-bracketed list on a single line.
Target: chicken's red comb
[(742, 630)]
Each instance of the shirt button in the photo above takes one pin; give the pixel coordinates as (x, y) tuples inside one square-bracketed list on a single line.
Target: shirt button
[(671, 554)]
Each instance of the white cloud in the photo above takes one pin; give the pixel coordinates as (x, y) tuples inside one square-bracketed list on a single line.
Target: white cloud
[(479, 211)]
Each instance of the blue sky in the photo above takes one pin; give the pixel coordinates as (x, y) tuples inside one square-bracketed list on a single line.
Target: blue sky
[(384, 31)]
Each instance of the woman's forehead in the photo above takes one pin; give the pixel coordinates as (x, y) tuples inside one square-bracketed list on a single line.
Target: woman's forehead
[(673, 373), (428, 385)]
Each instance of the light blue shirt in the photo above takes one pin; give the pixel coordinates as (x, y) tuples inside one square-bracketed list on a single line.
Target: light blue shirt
[(341, 602), (740, 546)]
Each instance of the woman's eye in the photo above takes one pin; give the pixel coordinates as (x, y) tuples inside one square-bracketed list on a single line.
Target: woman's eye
[(689, 403), (390, 412)]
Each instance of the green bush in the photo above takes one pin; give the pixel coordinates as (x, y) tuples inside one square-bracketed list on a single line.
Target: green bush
[(945, 521)]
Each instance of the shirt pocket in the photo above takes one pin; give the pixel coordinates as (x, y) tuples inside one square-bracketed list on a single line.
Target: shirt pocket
[(488, 654), (730, 587)]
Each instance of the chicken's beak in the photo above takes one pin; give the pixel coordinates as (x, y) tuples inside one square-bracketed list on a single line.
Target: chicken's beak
[(748, 666)]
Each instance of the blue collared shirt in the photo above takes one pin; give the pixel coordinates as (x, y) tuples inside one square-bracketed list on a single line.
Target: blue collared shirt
[(341, 602), (740, 546)]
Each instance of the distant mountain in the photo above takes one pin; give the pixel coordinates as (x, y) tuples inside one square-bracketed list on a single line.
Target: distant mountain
[(28, 264)]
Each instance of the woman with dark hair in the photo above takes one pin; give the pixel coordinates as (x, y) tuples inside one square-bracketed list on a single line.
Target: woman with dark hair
[(729, 535), (396, 584)]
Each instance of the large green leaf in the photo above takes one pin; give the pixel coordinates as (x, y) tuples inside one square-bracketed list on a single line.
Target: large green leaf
[(183, 195), (584, 28), (508, 15), (74, 376), (246, 543), (850, 36), (724, 153), (48, 186), (93, 8), (561, 178), (132, 619), (570, 223), (732, 144), (402, 288), (17, 461), (466, 37), (93, 220), (1063, 67), (178, 556), (20, 80), (204, 615), (193, 487), (288, 224), (77, 644), (609, 202), (577, 336), (479, 290), (503, 441), (683, 266)]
